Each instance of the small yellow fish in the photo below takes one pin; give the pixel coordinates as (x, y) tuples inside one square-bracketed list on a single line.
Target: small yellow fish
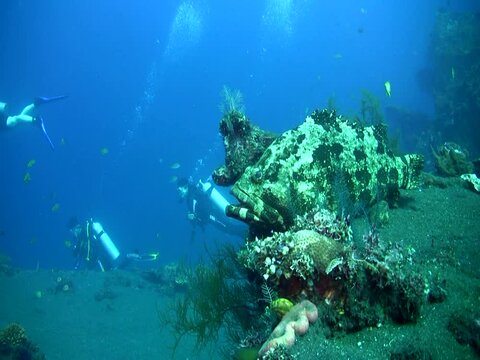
[(453, 73), (55, 207), (104, 151), (338, 56), (173, 179), (388, 88), (38, 294), (31, 163), (27, 178), (157, 236), (281, 306), (68, 244), (175, 166), (62, 141)]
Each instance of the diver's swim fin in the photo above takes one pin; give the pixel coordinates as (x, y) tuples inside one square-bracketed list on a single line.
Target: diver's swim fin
[(143, 257), (149, 257), (39, 120), (40, 100)]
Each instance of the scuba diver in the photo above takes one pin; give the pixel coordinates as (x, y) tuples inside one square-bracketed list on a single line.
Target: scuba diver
[(94, 247), (206, 205), (27, 115)]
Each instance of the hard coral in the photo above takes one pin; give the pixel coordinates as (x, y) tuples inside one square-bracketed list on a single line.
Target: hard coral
[(12, 336), (15, 345), (295, 322), (293, 261)]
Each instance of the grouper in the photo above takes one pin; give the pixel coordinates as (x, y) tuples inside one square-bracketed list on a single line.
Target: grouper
[(302, 169)]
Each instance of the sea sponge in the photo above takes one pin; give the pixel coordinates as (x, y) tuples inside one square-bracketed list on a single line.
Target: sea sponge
[(295, 322)]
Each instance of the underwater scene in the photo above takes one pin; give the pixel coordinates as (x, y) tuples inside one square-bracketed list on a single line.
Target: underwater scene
[(255, 179)]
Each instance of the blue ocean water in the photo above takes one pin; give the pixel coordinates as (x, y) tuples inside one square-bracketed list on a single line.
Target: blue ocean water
[(144, 82)]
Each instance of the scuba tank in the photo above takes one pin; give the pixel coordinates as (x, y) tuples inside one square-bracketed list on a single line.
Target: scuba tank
[(105, 240), (214, 196)]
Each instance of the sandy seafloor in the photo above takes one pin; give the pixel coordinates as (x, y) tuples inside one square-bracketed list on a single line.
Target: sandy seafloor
[(442, 225)]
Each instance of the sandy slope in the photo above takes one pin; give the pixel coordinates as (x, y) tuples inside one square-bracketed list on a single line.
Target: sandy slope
[(105, 316), (114, 315)]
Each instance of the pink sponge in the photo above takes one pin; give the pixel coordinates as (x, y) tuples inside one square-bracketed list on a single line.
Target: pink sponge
[(295, 322)]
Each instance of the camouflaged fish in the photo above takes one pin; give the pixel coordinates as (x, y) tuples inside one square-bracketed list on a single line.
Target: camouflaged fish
[(298, 171)]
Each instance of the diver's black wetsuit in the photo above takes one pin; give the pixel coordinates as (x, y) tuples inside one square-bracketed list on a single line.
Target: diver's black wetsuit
[(201, 206), (198, 205), (87, 249)]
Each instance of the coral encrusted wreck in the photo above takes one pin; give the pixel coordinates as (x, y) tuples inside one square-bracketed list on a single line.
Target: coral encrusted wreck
[(244, 144), (299, 170)]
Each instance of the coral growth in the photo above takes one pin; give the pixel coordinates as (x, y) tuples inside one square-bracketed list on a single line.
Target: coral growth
[(14, 344), (244, 144), (13, 336), (296, 260), (452, 160), (472, 181), (379, 285), (232, 100), (365, 282)]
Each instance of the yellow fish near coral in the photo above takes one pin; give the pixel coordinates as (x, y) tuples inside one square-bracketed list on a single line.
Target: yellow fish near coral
[(175, 166), (388, 88), (31, 163), (27, 178), (55, 207), (281, 306)]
